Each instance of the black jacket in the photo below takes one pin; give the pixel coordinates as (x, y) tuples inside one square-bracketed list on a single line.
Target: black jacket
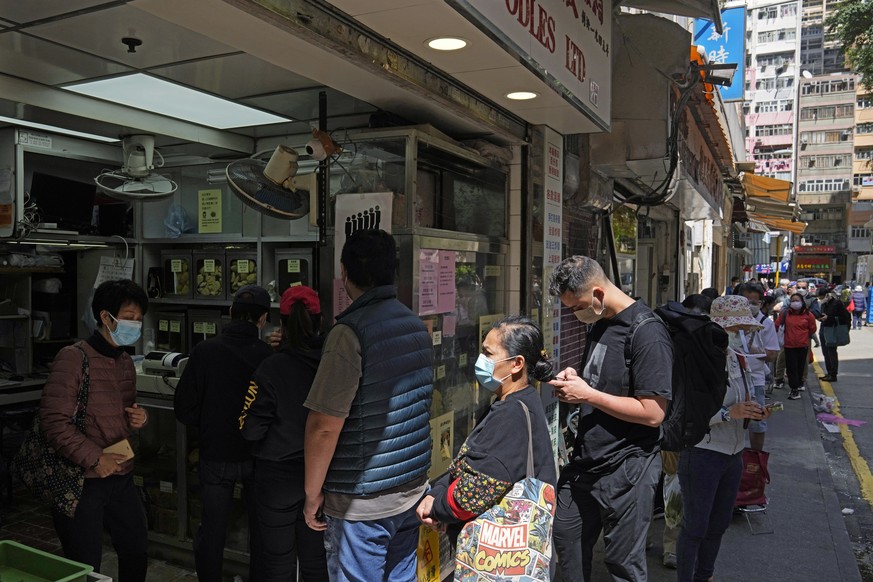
[(213, 386), (274, 418), (836, 312)]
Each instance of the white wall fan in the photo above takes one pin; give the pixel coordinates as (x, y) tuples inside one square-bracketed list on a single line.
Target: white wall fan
[(273, 187), (135, 180)]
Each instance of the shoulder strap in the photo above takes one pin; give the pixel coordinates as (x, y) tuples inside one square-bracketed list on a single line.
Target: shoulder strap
[(530, 461), (641, 319), (84, 389)]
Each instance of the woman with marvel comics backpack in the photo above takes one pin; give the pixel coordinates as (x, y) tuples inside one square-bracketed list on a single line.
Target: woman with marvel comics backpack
[(494, 456)]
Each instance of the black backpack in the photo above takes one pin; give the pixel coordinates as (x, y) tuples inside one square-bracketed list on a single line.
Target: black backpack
[(699, 372)]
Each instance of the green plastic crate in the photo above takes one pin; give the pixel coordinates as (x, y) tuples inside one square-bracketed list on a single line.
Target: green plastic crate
[(20, 563)]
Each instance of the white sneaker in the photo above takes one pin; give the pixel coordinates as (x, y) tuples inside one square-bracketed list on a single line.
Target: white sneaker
[(801, 388)]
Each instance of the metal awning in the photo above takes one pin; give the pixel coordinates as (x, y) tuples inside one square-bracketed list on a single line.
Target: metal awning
[(708, 9), (764, 187)]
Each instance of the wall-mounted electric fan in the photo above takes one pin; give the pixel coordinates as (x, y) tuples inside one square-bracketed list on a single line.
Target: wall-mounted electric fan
[(135, 180), (272, 187)]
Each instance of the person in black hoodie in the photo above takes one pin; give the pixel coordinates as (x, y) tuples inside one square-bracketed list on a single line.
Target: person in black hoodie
[(274, 420), (209, 396)]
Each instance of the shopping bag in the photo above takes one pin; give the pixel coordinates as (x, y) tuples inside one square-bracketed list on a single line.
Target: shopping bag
[(428, 555), (837, 335), (51, 478), (512, 541), (755, 478)]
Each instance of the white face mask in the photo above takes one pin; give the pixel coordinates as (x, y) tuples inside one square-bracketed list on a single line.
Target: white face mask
[(755, 309), (589, 315), (796, 305)]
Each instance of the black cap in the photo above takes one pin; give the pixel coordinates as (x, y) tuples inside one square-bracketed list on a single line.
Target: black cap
[(255, 295)]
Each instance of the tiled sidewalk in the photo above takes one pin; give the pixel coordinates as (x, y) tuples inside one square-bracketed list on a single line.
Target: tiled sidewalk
[(29, 523)]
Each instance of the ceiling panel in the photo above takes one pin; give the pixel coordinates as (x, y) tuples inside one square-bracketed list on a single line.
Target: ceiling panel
[(411, 27), (24, 11), (235, 76), (100, 33), (357, 8), (303, 105), (35, 59), (496, 83)]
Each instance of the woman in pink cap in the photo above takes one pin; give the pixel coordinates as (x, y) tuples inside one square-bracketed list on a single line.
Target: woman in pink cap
[(274, 419)]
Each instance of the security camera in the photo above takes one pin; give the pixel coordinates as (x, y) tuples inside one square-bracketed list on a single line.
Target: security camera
[(316, 149)]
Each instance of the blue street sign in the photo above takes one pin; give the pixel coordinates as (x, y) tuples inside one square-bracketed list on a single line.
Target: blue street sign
[(728, 47)]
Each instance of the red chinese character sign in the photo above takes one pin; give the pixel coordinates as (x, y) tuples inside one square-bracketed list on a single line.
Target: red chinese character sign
[(566, 43)]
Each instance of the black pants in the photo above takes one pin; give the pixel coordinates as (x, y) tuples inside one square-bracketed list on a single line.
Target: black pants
[(283, 532), (111, 504), (832, 361), (217, 481), (795, 364), (619, 505)]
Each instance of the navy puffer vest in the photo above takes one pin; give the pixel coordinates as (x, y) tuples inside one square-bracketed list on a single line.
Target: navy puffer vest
[(385, 441)]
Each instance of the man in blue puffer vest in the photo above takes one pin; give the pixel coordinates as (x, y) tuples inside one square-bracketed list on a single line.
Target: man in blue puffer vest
[(367, 446)]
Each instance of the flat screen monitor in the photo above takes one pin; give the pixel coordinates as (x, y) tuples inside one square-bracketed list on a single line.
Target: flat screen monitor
[(68, 203)]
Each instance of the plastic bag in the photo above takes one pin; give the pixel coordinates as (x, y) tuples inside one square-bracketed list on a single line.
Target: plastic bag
[(672, 501), (177, 221), (822, 403)]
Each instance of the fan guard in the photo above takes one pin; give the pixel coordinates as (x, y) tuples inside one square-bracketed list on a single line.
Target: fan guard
[(135, 180), (247, 179)]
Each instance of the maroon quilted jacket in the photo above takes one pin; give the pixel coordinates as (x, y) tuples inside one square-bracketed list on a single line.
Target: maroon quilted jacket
[(113, 388)]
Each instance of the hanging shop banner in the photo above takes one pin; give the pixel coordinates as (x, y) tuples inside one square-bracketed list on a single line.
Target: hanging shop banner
[(729, 47), (812, 263), (356, 212), (815, 249), (553, 155), (566, 43)]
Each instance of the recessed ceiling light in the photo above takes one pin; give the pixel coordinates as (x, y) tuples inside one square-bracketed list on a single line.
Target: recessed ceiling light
[(56, 129), (165, 98), (522, 95), (447, 43)]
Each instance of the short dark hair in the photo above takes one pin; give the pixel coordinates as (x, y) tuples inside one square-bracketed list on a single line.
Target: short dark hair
[(697, 301), (369, 257), (299, 326), (247, 312), (521, 336), (113, 295), (822, 291), (575, 274), (710, 292), (752, 288)]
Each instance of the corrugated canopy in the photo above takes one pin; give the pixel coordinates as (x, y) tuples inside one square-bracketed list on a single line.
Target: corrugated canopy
[(764, 187), (776, 223)]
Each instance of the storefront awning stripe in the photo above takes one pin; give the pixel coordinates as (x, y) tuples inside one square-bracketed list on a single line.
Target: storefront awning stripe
[(764, 187), (776, 223)]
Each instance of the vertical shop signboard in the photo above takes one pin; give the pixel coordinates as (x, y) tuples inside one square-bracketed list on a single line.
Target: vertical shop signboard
[(356, 212), (729, 47), (553, 185)]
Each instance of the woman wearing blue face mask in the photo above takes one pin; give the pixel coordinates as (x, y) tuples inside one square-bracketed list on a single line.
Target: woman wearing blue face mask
[(109, 497), (494, 456)]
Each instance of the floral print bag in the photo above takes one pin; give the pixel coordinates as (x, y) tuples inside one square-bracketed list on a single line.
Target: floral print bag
[(51, 478)]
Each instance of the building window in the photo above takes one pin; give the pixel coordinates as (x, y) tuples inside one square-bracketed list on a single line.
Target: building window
[(864, 102), (773, 106), (824, 185), (833, 136), (777, 35), (765, 130), (860, 232), (864, 154), (829, 86), (863, 128), (825, 161)]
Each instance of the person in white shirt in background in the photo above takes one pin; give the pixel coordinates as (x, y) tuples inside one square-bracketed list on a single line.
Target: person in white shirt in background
[(760, 367)]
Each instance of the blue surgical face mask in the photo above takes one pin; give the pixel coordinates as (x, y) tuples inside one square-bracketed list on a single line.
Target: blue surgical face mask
[(485, 373), (127, 331)]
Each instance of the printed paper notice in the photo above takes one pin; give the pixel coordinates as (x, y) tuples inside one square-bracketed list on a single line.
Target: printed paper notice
[(446, 282), (428, 267), (112, 269), (209, 211), (442, 431)]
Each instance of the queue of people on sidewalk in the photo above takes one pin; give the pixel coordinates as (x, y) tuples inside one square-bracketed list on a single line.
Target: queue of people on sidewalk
[(329, 432)]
